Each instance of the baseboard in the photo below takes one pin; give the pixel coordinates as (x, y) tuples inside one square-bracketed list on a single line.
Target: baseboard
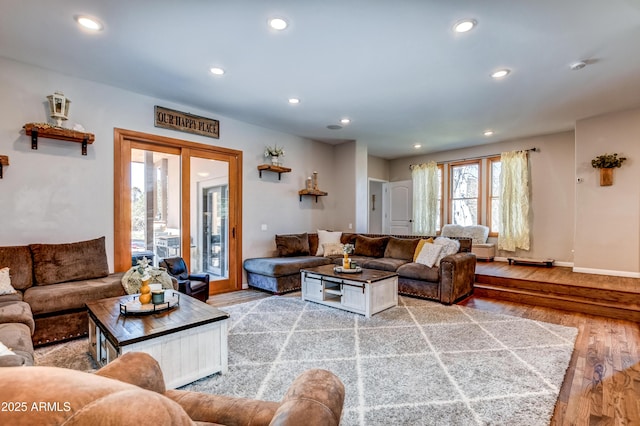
[(245, 286), (627, 274), (555, 263)]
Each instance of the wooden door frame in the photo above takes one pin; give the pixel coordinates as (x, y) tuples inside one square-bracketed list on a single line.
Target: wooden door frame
[(122, 205)]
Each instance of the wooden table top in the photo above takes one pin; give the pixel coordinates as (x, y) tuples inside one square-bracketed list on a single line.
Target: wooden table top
[(124, 330), (366, 276)]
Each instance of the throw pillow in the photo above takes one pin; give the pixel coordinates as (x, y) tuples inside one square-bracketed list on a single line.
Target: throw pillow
[(449, 246), (333, 249), (292, 245), (370, 247), (478, 233), (401, 248), (325, 237), (5, 282), (429, 254), (419, 246), (58, 263), (5, 350), (451, 230)]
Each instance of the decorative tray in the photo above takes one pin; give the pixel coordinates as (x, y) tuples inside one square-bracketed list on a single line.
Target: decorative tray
[(134, 307), (341, 270)]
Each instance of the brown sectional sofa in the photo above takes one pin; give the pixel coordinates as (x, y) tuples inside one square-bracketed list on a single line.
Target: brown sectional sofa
[(53, 283), (447, 283)]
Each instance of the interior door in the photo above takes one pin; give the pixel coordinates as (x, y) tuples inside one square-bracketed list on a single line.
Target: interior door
[(399, 216)]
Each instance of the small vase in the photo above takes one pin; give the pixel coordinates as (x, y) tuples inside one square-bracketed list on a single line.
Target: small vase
[(345, 261), (606, 177), (145, 292), (275, 160)]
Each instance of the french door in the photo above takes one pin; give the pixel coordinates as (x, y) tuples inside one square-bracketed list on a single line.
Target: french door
[(178, 198)]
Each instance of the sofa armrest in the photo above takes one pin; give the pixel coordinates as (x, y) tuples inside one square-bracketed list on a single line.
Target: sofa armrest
[(316, 397), (136, 368), (457, 275)]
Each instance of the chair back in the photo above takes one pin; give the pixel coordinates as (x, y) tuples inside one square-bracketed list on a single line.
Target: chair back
[(176, 267)]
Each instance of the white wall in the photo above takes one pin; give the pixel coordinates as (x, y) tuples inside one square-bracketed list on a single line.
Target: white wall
[(607, 236), (56, 195), (552, 189)]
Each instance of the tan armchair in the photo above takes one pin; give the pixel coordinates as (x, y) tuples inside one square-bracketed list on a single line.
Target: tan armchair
[(131, 391)]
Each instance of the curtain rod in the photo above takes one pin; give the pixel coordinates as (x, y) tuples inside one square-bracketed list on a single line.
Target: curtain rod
[(477, 158)]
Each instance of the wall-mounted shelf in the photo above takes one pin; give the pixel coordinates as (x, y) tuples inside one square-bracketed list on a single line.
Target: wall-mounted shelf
[(47, 131), (271, 168), (312, 192), (4, 161)]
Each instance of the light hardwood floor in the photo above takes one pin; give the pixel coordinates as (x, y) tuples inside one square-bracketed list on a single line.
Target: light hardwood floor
[(602, 385)]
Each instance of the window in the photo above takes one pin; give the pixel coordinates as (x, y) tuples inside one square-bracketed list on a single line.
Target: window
[(493, 211), (464, 192)]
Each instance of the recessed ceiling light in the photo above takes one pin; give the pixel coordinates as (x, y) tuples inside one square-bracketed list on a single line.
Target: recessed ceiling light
[(464, 25), (578, 65), (89, 23), (501, 73), (488, 132), (217, 71), (203, 174), (417, 145), (345, 121), (278, 24), (294, 101)]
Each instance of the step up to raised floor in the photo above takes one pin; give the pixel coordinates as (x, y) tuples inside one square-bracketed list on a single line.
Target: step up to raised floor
[(612, 302)]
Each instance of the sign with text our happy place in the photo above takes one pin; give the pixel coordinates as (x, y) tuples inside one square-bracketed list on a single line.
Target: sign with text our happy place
[(184, 122)]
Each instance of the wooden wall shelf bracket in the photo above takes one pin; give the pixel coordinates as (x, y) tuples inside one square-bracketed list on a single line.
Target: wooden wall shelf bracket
[(271, 168), (44, 130), (4, 161), (312, 192)]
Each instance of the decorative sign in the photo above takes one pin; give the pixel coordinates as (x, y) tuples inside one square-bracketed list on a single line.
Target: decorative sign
[(183, 122)]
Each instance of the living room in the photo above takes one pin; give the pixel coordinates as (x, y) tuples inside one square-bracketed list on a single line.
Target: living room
[(56, 195)]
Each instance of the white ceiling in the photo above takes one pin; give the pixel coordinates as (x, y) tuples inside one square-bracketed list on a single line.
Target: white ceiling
[(395, 67)]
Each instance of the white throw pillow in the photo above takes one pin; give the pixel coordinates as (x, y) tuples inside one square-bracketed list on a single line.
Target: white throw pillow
[(5, 350), (429, 254), (5, 282), (325, 237), (332, 249), (449, 246), (478, 233)]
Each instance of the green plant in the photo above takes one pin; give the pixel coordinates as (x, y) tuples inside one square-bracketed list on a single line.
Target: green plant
[(274, 151), (607, 161)]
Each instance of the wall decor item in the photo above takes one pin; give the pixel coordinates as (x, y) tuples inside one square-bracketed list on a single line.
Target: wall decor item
[(59, 107), (52, 132), (4, 161), (606, 163), (185, 122), (276, 153)]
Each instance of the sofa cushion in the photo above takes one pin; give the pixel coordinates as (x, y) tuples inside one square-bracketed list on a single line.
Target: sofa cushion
[(72, 295), (383, 264), (419, 246), (5, 282), (17, 312), (326, 237), (371, 247), (58, 263), (417, 271), (332, 249), (401, 248), (18, 260), (282, 266), (292, 245), (17, 337)]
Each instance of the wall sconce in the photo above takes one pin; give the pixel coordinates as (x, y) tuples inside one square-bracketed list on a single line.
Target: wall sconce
[(58, 107)]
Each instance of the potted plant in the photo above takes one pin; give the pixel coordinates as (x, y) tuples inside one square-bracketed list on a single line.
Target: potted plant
[(275, 152), (606, 163)]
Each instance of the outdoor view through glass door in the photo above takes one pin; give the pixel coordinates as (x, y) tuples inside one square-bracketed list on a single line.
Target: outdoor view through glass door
[(177, 198)]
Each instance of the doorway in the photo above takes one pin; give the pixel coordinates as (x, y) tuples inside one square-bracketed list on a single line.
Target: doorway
[(178, 198)]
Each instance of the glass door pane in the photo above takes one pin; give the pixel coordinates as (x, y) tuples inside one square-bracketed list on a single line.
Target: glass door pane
[(210, 218), (155, 205)]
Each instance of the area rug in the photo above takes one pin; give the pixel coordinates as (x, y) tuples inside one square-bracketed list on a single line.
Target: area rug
[(418, 363)]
